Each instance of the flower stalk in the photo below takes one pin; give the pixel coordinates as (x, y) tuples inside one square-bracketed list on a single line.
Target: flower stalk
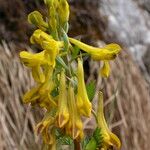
[(60, 87)]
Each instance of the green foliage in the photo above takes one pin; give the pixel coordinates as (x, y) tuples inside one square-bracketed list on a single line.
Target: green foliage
[(98, 136), (95, 141), (75, 52), (60, 62), (66, 41), (63, 139), (92, 145), (91, 88)]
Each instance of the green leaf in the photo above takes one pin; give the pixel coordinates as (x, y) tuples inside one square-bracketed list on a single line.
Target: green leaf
[(91, 88), (92, 145), (75, 52), (95, 141), (61, 63), (85, 141), (66, 40), (98, 136), (63, 139)]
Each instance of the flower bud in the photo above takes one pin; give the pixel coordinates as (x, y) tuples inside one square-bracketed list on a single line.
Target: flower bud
[(63, 114), (109, 139), (63, 11), (83, 103), (36, 18)]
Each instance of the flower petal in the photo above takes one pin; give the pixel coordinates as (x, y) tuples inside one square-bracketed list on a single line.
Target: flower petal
[(105, 70)]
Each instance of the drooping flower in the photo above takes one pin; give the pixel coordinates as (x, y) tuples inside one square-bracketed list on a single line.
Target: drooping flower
[(109, 138), (51, 51), (50, 46), (108, 52), (34, 61), (41, 94), (45, 128), (83, 103), (63, 113), (74, 127)]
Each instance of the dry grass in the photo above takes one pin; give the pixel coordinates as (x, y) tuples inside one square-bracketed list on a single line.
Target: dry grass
[(16, 122)]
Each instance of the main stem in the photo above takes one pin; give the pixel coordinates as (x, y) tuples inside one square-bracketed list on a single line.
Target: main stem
[(77, 145)]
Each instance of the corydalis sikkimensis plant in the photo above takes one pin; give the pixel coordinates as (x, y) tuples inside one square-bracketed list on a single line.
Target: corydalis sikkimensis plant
[(60, 88)]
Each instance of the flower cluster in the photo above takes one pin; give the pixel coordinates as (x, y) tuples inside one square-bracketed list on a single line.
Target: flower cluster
[(60, 87)]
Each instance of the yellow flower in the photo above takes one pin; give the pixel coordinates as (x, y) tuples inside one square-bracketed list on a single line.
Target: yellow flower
[(63, 114), (49, 3), (31, 95), (105, 70), (52, 19), (50, 45), (36, 18), (31, 60), (39, 36), (109, 139), (46, 100), (83, 103), (34, 61), (45, 128), (52, 50), (74, 127), (63, 11), (40, 95), (108, 52)]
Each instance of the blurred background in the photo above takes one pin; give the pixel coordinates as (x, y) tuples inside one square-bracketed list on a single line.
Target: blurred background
[(96, 22)]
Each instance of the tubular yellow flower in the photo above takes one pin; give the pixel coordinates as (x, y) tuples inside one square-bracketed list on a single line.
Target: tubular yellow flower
[(63, 114), (40, 95), (39, 36), (50, 45), (109, 139), (63, 11), (108, 52), (83, 103), (46, 100), (38, 74), (36, 18), (44, 128), (31, 95), (34, 61), (105, 70), (52, 20), (31, 60), (52, 50), (74, 127)]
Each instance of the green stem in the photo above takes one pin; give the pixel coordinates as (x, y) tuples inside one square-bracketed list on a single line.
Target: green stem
[(95, 116)]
